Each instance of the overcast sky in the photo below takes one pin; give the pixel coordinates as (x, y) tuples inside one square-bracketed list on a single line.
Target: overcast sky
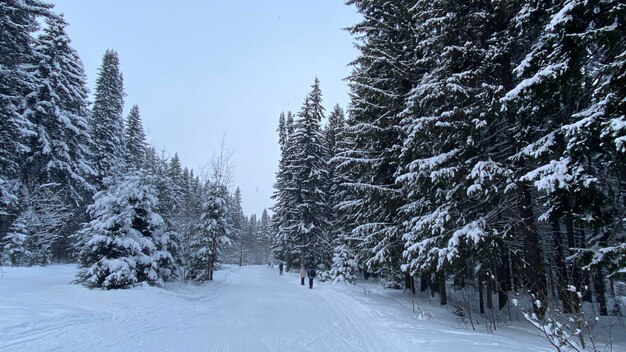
[(202, 69)]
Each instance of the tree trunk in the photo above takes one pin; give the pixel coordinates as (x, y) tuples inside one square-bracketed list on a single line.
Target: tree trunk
[(213, 258), (565, 295), (535, 272), (489, 291), (503, 274), (601, 292), (575, 274), (432, 283), (409, 283), (481, 299), (585, 278), (423, 283), (441, 279)]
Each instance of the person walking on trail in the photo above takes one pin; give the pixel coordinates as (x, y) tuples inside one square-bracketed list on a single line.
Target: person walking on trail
[(280, 269), (311, 275), (302, 275)]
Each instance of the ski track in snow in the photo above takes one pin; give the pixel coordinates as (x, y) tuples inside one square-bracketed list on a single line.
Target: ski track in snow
[(244, 309)]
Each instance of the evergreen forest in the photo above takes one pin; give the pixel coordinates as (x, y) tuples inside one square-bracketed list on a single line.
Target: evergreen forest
[(483, 150)]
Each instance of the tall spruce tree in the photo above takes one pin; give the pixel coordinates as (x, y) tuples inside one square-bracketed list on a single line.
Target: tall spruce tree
[(570, 161), (107, 123), (240, 236), (58, 161), (58, 111), (604, 121), (378, 83), (265, 237), (285, 197), (135, 139), (309, 174), (451, 173), (343, 267), (212, 234), (18, 20)]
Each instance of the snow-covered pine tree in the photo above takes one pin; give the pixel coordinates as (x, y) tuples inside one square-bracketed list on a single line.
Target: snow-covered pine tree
[(252, 233), (187, 218), (572, 164), (175, 169), (171, 186), (152, 158), (378, 83), (239, 250), (43, 217), (135, 140), (309, 172), (343, 268), (265, 236), (13, 245), (58, 110), (606, 118), (126, 242), (343, 265), (211, 235), (171, 196), (451, 175), (528, 103), (107, 122), (285, 196), (334, 136), (59, 158), (18, 20)]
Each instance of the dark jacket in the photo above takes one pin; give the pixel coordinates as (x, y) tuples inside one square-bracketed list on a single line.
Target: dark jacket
[(311, 273)]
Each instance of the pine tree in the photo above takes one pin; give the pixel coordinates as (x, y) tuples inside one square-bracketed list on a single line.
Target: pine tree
[(379, 81), (309, 173), (126, 242), (58, 159), (107, 123), (566, 155), (14, 248), (212, 234), (18, 19), (135, 139), (58, 111), (186, 219), (240, 237), (265, 238), (604, 121), (343, 265), (334, 136), (451, 174), (252, 234), (285, 195), (175, 169)]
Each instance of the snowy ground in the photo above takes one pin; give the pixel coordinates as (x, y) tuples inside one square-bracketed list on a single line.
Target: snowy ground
[(244, 309)]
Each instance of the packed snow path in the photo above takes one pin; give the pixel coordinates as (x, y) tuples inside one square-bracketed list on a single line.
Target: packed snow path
[(244, 309)]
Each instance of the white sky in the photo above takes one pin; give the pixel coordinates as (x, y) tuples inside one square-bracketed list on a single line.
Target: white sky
[(202, 69)]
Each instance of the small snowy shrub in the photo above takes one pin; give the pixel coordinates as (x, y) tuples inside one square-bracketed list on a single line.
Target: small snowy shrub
[(564, 331), (343, 266)]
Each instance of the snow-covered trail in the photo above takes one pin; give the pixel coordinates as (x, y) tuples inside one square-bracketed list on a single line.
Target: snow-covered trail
[(244, 309)]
